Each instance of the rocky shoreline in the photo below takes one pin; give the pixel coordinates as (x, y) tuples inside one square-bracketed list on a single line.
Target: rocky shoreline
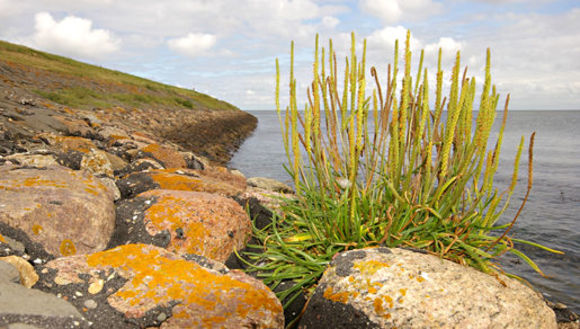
[(124, 219)]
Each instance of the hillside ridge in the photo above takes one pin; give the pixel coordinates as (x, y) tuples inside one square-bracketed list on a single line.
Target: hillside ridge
[(44, 85)]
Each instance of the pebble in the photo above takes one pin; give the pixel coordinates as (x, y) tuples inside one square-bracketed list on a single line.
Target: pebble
[(162, 317), (90, 304)]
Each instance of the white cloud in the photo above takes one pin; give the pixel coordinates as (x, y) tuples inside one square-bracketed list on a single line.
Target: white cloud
[(330, 22), (393, 11), (73, 36), (384, 39), (193, 44), (448, 46)]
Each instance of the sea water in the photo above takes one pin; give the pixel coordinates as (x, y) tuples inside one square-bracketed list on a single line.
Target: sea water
[(550, 217)]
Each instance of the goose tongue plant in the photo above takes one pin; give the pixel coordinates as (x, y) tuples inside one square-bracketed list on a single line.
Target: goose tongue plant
[(416, 179)]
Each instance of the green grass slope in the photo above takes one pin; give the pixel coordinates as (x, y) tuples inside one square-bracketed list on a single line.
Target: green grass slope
[(76, 84)]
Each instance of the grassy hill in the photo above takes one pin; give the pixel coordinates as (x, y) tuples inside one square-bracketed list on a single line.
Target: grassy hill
[(196, 121), (83, 85)]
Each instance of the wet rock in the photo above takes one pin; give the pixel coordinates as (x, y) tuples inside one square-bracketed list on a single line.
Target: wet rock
[(63, 210), (211, 181), (387, 288), (269, 184), (21, 307), (184, 222), (146, 286)]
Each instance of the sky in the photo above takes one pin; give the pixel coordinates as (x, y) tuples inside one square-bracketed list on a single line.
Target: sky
[(227, 48)]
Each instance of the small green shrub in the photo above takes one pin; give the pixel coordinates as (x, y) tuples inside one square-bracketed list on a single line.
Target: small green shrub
[(415, 178)]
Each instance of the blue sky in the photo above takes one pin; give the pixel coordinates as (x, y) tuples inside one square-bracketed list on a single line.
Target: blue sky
[(227, 48)]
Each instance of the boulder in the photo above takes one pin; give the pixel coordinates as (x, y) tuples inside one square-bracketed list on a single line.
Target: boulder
[(208, 180), (168, 157), (79, 153), (269, 184), (21, 307), (398, 288), (27, 275), (183, 222), (38, 159), (55, 210), (141, 286)]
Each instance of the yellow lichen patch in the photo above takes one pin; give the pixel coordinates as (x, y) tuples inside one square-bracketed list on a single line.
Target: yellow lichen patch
[(159, 277), (170, 212), (67, 248), (170, 181), (378, 304), (2, 239), (37, 181), (169, 157), (341, 297), (372, 290), (388, 300), (370, 267), (36, 229), (420, 279), (403, 292)]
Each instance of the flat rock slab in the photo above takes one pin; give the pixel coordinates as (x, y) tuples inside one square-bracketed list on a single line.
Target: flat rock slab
[(398, 288), (56, 209), (21, 306), (140, 286), (184, 222), (209, 180)]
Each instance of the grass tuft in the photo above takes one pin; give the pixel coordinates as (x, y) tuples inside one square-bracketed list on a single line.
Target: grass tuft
[(389, 169)]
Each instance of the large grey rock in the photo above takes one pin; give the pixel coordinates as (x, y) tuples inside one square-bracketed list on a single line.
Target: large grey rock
[(388, 288), (21, 306)]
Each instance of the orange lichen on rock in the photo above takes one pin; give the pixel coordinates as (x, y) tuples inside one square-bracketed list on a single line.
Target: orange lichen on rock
[(157, 277), (36, 229), (378, 305), (2, 239), (170, 181), (67, 248), (209, 225), (341, 297), (370, 267), (169, 157)]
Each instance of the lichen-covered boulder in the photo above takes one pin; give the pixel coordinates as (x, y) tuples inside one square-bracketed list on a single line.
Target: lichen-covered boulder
[(398, 288), (79, 153), (140, 286), (184, 222), (168, 157), (207, 180), (38, 159), (55, 210)]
